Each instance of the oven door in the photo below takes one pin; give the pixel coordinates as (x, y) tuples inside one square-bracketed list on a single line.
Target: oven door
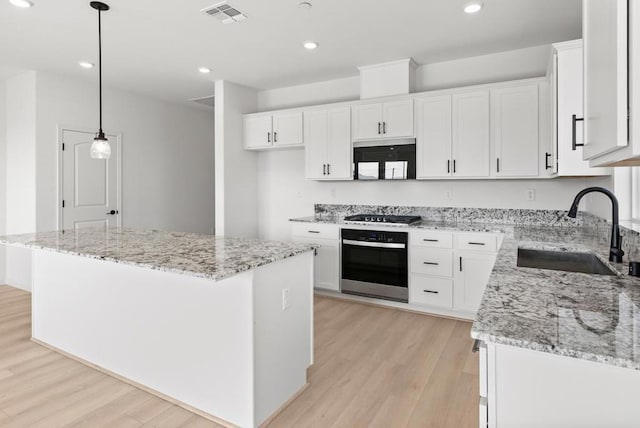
[(375, 269)]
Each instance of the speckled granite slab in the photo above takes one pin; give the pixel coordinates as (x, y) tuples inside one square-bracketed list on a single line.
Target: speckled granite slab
[(204, 256)]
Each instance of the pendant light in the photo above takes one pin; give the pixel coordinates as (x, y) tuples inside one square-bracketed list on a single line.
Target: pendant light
[(100, 148)]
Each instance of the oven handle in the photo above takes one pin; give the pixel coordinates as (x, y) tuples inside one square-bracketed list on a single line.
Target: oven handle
[(372, 244)]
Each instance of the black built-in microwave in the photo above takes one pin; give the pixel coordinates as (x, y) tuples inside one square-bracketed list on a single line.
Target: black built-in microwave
[(385, 162)]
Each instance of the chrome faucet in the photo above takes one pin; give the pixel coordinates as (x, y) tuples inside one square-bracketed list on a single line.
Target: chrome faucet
[(615, 252)]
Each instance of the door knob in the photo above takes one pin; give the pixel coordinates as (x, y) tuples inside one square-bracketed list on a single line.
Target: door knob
[(112, 212)]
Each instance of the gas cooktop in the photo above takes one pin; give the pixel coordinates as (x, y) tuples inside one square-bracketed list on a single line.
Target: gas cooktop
[(377, 218)]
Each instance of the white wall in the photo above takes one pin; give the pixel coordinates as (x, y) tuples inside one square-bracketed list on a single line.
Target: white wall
[(167, 154), (236, 168), (3, 177), (510, 65), (284, 192)]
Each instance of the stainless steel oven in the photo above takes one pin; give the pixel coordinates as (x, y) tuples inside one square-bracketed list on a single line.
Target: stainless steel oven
[(375, 264)]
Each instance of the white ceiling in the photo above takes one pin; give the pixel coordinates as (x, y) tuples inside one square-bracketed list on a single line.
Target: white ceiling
[(155, 46)]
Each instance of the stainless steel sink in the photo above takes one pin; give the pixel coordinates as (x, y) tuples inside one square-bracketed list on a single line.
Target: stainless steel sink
[(562, 260)]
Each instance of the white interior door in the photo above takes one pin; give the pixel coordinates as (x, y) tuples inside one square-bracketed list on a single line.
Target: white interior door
[(90, 187)]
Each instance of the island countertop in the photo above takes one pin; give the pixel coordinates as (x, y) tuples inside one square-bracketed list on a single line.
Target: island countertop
[(591, 317), (205, 256)]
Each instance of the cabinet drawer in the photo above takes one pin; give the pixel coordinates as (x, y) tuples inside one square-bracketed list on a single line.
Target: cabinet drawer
[(477, 242), (315, 230), (431, 261), (426, 290), (432, 239)]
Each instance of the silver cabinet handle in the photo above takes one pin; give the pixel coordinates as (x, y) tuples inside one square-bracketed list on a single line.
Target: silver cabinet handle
[(431, 291), (372, 244), (431, 263)]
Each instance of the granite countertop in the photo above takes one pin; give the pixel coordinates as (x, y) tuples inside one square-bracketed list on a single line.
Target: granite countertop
[(591, 317), (204, 256)]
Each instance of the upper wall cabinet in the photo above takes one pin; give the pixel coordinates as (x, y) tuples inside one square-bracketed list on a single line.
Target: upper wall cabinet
[(278, 130), (383, 120), (453, 135), (327, 136), (567, 112), (514, 126), (605, 72)]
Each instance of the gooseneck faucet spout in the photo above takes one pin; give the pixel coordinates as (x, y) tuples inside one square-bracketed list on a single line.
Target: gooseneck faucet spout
[(615, 252)]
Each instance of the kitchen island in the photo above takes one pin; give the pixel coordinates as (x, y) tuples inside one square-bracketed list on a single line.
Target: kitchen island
[(218, 325)]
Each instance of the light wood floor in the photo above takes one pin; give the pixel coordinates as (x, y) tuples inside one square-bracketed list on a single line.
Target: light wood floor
[(373, 367)]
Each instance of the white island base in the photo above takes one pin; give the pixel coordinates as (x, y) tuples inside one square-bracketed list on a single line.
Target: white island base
[(228, 349)]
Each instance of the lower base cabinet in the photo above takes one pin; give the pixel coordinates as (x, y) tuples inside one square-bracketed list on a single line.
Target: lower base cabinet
[(326, 270), (530, 389), (471, 275), (431, 291)]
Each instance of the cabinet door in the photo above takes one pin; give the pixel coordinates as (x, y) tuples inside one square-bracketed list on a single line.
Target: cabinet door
[(340, 154), (433, 142), (326, 263), (471, 143), (606, 89), (397, 119), (471, 274), (515, 131), (367, 122), (315, 137), (257, 132), (287, 129)]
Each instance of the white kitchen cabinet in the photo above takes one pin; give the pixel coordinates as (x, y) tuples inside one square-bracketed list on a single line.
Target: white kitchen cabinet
[(605, 73), (433, 132), (453, 135), (567, 98), (287, 129), (327, 259), (278, 130), (383, 120), (327, 136), (528, 389), (515, 131), (471, 143), (257, 132), (471, 275)]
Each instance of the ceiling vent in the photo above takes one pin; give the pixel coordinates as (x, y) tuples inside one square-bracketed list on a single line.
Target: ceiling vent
[(225, 13)]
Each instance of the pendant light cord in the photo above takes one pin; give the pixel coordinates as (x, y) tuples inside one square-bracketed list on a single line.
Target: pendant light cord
[(100, 68)]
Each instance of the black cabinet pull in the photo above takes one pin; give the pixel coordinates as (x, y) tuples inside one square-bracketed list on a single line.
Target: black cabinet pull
[(328, 169), (448, 167), (476, 346), (477, 243), (313, 231), (431, 291), (379, 128), (430, 240), (268, 137), (460, 264), (431, 263), (497, 164), (384, 127), (574, 142), (546, 160), (275, 137), (324, 169), (454, 166), (113, 212)]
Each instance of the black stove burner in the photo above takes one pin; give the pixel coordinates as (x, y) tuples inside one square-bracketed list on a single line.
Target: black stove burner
[(377, 218)]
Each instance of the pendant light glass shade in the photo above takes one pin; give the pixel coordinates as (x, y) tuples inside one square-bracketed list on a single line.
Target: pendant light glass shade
[(100, 148)]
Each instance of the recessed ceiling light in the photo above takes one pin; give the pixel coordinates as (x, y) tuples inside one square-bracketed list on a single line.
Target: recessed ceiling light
[(204, 70), (310, 45), (22, 3), (473, 7), (85, 64)]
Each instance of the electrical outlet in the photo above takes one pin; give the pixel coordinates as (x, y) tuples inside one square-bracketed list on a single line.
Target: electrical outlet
[(285, 299), (531, 194), (447, 195)]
